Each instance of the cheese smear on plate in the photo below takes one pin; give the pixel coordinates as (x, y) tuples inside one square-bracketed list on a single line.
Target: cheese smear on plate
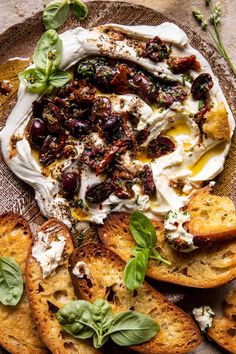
[(182, 164)]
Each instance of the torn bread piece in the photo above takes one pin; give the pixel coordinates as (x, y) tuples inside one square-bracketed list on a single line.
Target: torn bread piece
[(212, 217), (18, 332), (216, 124), (49, 287), (178, 332), (202, 268), (223, 330)]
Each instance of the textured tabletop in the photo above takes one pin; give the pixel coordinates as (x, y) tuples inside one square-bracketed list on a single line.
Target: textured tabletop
[(14, 11)]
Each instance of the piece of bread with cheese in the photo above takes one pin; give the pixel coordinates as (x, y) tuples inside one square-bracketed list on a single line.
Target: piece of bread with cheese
[(50, 292), (201, 268), (213, 217), (18, 333), (178, 332), (223, 330)]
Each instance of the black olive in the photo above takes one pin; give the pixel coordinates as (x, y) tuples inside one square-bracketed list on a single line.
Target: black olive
[(37, 131), (77, 127), (160, 146), (201, 85), (103, 78), (156, 50), (145, 88), (99, 192), (111, 124), (70, 182), (101, 108)]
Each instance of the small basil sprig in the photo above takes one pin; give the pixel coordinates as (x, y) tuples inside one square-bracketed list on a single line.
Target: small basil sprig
[(57, 12), (11, 281), (84, 320), (146, 238), (47, 57)]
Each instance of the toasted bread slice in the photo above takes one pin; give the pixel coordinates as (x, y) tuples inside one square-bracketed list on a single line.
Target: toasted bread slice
[(230, 305), (216, 123), (18, 333), (47, 294), (223, 330), (178, 333), (202, 268), (213, 217)]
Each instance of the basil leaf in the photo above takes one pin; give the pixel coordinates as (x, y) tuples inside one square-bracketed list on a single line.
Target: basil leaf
[(135, 269), (59, 78), (142, 230), (79, 9), (102, 313), (34, 79), (56, 13), (99, 340), (131, 328), (48, 51), (76, 319), (11, 281)]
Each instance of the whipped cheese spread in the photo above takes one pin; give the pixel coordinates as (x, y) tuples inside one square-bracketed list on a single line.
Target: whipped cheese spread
[(194, 160), (48, 253), (204, 316), (81, 270), (175, 232)]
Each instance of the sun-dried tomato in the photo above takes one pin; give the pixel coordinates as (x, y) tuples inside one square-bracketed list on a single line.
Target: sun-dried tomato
[(142, 135), (182, 64), (99, 192), (199, 116), (149, 186), (54, 117), (84, 95), (118, 148), (128, 131), (156, 50), (51, 149), (160, 146), (122, 183), (120, 81), (201, 86)]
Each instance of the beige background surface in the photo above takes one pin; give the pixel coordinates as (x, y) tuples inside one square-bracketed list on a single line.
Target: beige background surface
[(14, 11)]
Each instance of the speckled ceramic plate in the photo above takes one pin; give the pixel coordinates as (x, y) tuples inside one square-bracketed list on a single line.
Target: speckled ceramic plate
[(20, 40)]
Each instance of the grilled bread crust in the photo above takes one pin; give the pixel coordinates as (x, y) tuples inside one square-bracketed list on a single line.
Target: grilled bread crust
[(202, 268), (47, 295), (18, 333), (223, 330), (178, 333)]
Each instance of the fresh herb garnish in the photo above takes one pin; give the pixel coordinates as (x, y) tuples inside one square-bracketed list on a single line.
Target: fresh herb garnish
[(57, 12), (201, 104), (84, 320), (47, 57), (11, 281), (79, 203), (214, 21), (186, 78), (146, 238)]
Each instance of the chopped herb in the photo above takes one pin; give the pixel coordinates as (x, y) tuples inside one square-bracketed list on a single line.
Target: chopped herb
[(186, 78), (80, 204), (201, 104)]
